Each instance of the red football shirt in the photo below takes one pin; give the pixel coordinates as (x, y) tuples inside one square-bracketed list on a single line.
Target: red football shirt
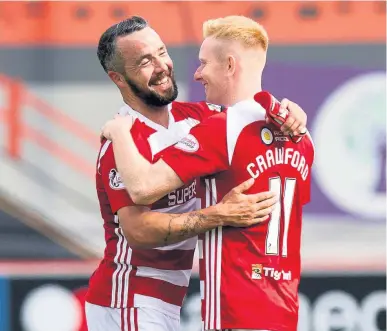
[(249, 276), (159, 277)]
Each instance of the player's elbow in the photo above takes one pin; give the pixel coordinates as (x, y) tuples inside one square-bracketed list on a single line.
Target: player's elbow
[(138, 239), (142, 196), (137, 231)]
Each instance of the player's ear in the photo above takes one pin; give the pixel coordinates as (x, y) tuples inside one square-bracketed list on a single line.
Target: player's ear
[(231, 65), (117, 79)]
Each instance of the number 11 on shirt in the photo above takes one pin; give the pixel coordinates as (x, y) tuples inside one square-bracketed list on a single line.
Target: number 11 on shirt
[(286, 200)]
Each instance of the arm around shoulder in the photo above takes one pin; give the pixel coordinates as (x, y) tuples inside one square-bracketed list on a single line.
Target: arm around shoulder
[(144, 181), (161, 180)]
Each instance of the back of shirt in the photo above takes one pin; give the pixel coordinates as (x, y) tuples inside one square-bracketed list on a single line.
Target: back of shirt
[(250, 276)]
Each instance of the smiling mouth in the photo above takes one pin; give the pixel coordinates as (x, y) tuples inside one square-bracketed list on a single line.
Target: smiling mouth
[(160, 82)]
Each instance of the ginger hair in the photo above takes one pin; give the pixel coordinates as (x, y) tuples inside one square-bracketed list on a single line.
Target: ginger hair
[(242, 29)]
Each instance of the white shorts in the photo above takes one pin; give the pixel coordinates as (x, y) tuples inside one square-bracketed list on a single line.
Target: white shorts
[(101, 318)]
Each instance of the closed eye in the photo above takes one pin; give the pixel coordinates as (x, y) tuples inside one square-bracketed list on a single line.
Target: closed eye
[(145, 62)]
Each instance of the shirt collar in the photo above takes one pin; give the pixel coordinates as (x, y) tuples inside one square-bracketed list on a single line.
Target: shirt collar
[(126, 109)]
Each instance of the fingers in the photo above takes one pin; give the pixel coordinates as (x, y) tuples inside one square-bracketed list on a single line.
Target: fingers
[(261, 196), (254, 221), (260, 212), (244, 186), (290, 121), (285, 103), (296, 128), (265, 207), (296, 122), (260, 219), (263, 212), (300, 129), (293, 129)]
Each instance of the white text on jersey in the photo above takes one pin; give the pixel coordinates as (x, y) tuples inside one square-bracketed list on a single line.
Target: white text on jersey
[(277, 274), (278, 156), (182, 195)]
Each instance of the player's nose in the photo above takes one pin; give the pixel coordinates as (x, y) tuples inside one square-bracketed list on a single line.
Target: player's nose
[(161, 66), (198, 75)]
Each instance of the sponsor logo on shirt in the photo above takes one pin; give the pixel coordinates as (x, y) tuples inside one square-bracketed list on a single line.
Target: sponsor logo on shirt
[(259, 271), (115, 180), (279, 136), (266, 136), (256, 271), (182, 195), (188, 144)]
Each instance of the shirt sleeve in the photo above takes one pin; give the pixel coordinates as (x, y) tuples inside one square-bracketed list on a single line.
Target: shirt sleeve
[(202, 152), (112, 182), (201, 110)]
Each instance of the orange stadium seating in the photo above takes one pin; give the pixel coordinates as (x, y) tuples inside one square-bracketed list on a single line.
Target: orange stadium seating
[(179, 22)]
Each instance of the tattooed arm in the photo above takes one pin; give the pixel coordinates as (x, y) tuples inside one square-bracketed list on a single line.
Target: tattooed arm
[(146, 229)]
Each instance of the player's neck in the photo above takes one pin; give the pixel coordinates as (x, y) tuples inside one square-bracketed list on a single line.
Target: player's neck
[(245, 91), (159, 115)]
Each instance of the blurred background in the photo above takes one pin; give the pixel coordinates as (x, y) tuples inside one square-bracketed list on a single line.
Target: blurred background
[(330, 57)]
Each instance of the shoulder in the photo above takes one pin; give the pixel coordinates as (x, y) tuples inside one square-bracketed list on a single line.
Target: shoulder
[(216, 120), (214, 126), (197, 110), (201, 105)]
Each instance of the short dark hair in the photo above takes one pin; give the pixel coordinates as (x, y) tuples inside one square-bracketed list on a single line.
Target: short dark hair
[(106, 52)]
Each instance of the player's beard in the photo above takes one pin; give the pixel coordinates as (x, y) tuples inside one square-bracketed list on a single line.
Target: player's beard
[(151, 97)]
